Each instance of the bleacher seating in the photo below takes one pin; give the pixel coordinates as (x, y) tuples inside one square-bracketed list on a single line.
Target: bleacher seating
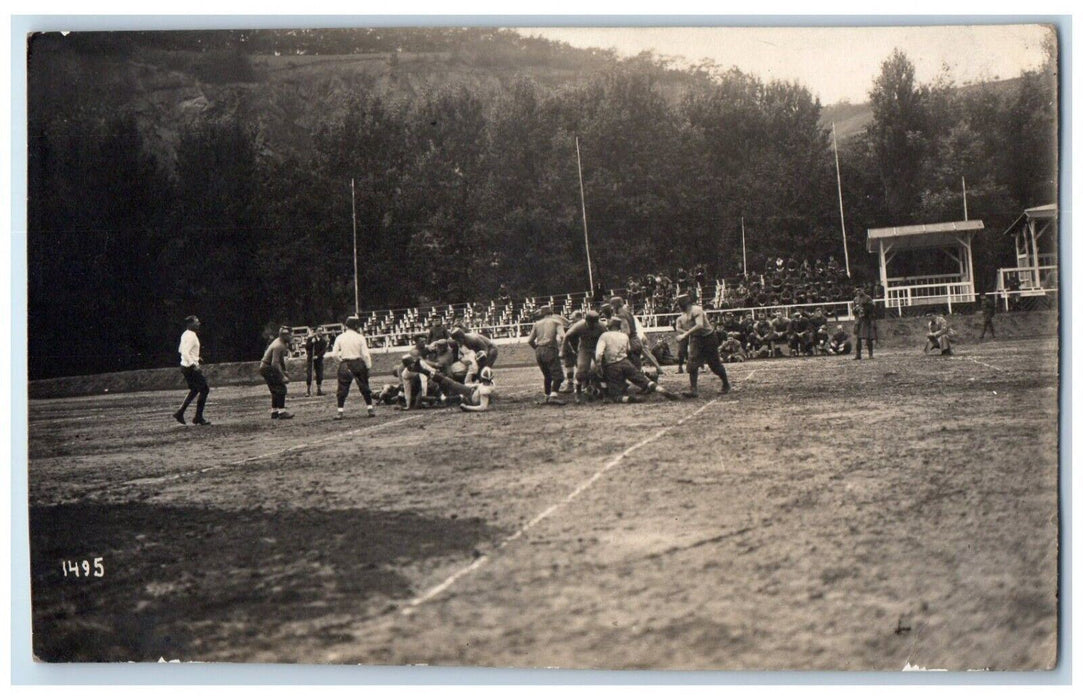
[(787, 284)]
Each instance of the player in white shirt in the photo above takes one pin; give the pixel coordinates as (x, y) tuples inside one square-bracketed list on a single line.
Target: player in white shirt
[(189, 363), (354, 362)]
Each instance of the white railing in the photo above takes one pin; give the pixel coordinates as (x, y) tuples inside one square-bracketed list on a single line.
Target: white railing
[(920, 280), (1043, 277), (936, 293)]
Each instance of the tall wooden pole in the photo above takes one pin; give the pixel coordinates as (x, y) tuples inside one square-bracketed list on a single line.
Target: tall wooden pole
[(356, 288), (842, 215), (583, 201), (744, 253), (966, 217)]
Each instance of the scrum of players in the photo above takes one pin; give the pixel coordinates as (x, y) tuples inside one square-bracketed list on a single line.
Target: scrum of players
[(597, 355), (594, 355)]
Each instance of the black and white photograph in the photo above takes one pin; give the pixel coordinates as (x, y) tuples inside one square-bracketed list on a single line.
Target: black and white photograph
[(681, 348)]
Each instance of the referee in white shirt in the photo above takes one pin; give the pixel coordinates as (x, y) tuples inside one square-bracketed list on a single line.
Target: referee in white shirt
[(354, 363), (189, 362)]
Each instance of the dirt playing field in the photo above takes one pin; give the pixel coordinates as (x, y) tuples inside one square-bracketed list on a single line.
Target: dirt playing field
[(827, 514)]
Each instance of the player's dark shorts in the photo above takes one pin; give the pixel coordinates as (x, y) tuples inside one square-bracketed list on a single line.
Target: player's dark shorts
[(619, 374), (348, 372), (702, 348), (193, 377), (486, 358), (276, 382), (549, 361), (568, 356), (583, 360)]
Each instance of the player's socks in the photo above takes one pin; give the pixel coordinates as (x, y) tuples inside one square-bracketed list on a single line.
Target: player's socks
[(340, 415)]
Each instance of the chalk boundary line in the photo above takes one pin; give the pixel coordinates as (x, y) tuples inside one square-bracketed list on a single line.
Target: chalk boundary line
[(485, 558), (239, 462)]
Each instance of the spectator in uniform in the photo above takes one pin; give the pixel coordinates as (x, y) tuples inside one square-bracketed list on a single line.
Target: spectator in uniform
[(988, 311), (315, 348), (865, 329)]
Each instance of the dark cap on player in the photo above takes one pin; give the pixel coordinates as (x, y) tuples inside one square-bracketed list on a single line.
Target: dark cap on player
[(614, 324), (353, 323), (591, 317), (616, 301), (545, 311)]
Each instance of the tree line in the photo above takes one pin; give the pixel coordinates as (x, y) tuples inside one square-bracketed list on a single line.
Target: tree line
[(466, 189)]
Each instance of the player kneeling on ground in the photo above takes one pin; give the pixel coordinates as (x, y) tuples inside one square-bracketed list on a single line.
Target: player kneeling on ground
[(939, 336), (475, 397), (611, 356)]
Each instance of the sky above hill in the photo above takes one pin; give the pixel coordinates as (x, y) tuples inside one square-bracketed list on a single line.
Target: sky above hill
[(835, 63)]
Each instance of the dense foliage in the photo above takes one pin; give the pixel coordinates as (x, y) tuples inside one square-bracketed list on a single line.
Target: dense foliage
[(466, 188)]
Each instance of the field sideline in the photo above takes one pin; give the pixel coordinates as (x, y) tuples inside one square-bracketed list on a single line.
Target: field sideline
[(827, 514)]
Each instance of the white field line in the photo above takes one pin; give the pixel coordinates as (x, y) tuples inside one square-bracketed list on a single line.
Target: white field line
[(999, 369), (266, 455), (481, 561)]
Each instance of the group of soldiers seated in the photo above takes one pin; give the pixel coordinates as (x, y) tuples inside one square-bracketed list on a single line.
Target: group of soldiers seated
[(746, 337)]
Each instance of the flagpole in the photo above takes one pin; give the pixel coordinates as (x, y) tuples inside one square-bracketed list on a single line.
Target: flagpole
[(583, 201), (842, 215), (744, 253), (356, 289), (966, 217)]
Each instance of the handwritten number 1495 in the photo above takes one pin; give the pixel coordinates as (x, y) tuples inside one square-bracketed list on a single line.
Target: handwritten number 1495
[(84, 568)]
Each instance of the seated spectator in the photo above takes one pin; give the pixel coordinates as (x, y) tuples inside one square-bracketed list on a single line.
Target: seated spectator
[(801, 335), (839, 344), (731, 349)]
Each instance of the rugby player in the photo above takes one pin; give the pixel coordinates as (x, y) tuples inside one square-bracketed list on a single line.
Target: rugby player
[(568, 353), (939, 336), (584, 335), (354, 362), (611, 355), (193, 376), (485, 351), (475, 397), (703, 342), (273, 370), (546, 338)]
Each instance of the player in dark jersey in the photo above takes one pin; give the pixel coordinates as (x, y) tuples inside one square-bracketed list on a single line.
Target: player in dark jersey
[(546, 337), (703, 342), (584, 335)]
